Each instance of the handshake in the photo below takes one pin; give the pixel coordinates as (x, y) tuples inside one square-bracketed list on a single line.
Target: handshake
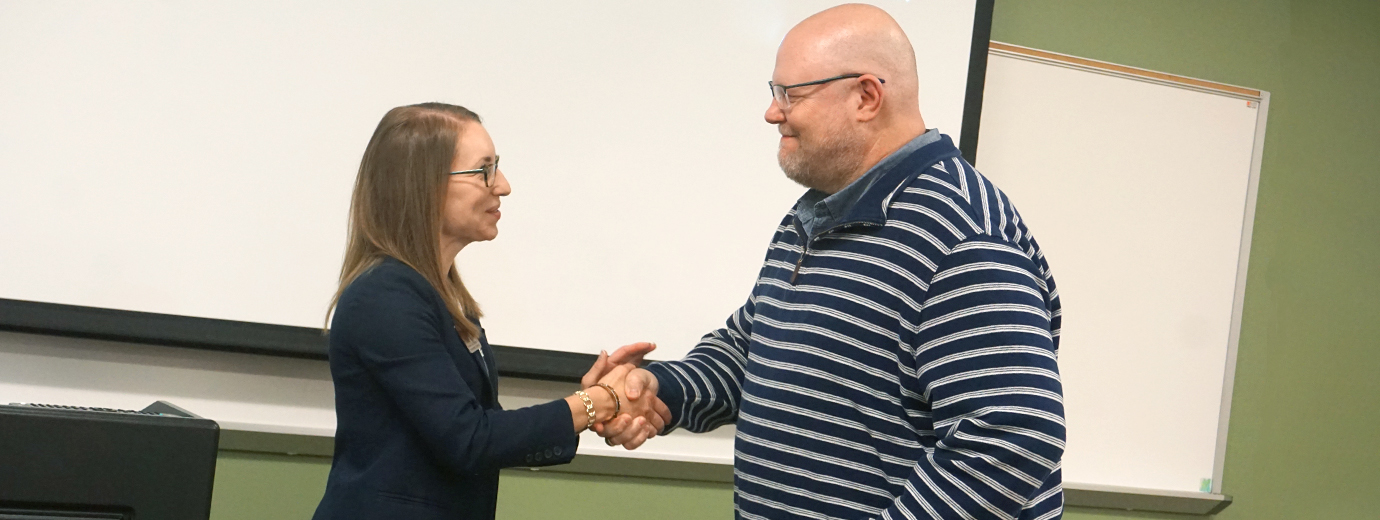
[(641, 414)]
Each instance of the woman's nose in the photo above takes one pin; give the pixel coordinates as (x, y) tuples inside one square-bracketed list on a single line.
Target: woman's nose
[(501, 187)]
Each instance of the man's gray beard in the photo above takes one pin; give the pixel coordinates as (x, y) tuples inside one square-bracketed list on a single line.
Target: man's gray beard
[(821, 166)]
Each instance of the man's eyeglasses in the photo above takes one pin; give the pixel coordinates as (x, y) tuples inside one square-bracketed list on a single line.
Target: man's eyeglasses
[(783, 99), (489, 171)]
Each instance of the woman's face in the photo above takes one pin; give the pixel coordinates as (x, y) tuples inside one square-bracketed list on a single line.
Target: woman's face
[(470, 213)]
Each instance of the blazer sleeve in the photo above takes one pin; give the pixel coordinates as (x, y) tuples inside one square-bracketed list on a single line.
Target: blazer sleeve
[(395, 330)]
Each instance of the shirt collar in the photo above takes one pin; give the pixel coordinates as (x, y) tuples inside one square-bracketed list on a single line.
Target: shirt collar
[(819, 211)]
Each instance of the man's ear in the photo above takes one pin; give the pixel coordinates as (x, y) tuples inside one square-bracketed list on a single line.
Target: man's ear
[(870, 97)]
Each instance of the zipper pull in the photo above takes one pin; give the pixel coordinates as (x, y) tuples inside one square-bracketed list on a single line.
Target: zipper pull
[(804, 248), (799, 261)]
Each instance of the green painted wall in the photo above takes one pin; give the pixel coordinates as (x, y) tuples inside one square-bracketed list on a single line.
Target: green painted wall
[(1307, 399), (254, 486)]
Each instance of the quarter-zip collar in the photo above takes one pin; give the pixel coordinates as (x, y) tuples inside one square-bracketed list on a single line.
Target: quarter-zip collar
[(871, 204), (865, 199)]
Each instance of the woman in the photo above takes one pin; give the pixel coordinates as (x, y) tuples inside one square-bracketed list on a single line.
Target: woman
[(420, 433)]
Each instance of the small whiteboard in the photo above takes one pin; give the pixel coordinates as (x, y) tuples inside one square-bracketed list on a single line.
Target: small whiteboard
[(1140, 188)]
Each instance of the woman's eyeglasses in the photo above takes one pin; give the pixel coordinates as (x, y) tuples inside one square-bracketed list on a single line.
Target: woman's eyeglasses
[(489, 171)]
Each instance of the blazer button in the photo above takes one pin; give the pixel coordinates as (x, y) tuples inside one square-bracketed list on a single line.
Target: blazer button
[(558, 451), (529, 458), (548, 453)]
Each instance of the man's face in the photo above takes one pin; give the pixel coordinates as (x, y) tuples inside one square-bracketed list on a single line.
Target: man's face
[(820, 147)]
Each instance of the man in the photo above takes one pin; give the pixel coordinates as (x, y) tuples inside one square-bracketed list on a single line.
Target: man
[(897, 357)]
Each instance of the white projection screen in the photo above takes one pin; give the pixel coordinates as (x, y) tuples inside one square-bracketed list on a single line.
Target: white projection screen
[(196, 158)]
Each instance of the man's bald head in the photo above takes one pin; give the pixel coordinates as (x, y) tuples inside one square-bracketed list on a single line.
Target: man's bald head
[(854, 38), (849, 95)]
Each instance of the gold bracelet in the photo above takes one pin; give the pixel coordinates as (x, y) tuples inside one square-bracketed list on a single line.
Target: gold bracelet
[(617, 403), (589, 407)]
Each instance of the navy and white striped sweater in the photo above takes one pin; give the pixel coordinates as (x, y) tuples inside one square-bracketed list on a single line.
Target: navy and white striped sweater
[(899, 365)]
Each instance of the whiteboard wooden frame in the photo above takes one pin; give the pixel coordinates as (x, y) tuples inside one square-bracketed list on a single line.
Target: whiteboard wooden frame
[(1243, 262)]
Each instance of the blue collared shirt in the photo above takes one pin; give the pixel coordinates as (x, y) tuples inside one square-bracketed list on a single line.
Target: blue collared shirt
[(819, 211)]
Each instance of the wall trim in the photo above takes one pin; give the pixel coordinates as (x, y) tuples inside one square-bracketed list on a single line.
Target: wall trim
[(245, 337)]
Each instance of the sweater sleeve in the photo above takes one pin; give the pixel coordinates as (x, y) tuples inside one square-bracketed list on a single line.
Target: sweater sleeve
[(704, 389), (986, 364), (393, 330)]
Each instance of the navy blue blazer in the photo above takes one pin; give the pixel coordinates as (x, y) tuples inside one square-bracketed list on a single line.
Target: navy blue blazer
[(419, 432)]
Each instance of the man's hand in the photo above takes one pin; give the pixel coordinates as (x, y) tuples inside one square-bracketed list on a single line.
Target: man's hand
[(626, 354), (643, 415)]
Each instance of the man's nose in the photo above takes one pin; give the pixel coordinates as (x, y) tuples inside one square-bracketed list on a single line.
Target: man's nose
[(775, 115)]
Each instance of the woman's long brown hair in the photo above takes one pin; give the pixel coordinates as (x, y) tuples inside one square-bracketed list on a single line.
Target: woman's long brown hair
[(396, 207)]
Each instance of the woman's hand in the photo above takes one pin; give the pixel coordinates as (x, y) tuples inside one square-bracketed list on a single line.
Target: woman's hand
[(604, 404), (644, 415)]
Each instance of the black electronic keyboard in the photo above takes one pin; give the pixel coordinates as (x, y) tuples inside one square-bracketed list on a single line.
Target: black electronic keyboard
[(86, 463), (155, 409)]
